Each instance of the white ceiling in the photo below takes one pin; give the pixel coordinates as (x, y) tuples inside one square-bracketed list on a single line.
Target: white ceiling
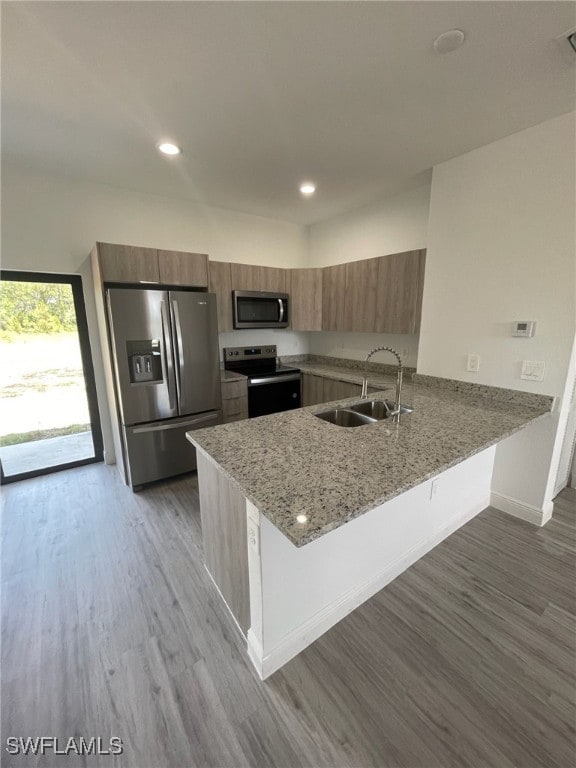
[(262, 95)]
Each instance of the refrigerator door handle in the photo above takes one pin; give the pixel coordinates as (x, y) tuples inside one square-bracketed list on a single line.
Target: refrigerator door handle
[(178, 349), (164, 319), (179, 425)]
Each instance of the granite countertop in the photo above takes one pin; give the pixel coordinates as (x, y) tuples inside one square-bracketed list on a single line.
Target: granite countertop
[(230, 376), (292, 463)]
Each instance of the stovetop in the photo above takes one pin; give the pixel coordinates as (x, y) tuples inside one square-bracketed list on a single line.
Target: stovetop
[(255, 361)]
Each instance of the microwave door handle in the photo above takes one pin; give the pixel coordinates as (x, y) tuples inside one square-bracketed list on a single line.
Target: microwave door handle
[(164, 321), (281, 305), (178, 349)]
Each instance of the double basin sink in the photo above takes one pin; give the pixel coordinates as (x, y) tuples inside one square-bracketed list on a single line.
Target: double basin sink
[(359, 414)]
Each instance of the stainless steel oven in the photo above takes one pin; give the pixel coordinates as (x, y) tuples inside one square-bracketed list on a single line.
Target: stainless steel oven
[(271, 387), (260, 309)]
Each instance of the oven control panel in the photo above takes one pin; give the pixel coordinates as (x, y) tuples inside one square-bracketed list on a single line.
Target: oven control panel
[(237, 354)]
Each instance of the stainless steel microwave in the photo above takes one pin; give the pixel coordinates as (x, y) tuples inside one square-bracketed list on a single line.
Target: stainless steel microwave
[(260, 309)]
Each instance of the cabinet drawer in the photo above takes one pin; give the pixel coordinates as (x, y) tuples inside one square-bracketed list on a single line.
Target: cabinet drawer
[(234, 389), (235, 405)]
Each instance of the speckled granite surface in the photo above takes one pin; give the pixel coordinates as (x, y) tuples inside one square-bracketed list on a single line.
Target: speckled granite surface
[(230, 376), (292, 463)]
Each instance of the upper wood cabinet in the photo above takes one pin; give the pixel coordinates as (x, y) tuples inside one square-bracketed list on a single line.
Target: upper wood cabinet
[(334, 298), (400, 285), (221, 284), (181, 268), (361, 288), (381, 295), (250, 277), (305, 289), (131, 264), (128, 263)]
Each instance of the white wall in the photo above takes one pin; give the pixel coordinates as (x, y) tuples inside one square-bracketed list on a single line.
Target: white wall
[(392, 225), (50, 225), (355, 346), (288, 342), (501, 247)]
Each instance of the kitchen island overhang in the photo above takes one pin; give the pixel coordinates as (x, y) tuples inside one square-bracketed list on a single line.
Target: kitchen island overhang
[(310, 557)]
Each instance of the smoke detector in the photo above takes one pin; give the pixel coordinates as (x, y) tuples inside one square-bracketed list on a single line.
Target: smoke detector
[(449, 41)]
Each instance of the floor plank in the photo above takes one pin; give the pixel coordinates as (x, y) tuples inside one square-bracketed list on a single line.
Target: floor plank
[(111, 627)]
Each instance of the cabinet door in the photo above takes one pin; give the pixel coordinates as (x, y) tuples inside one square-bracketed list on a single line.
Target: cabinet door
[(272, 279), (221, 285), (338, 390), (333, 297), (128, 264), (399, 293), (250, 277), (312, 389), (181, 268), (246, 277), (305, 289), (361, 289)]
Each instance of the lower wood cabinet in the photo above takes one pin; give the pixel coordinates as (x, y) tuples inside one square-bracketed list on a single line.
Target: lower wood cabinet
[(234, 400), (312, 389), (319, 389)]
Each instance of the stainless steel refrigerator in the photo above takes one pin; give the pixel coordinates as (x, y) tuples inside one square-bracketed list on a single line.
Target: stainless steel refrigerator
[(166, 364)]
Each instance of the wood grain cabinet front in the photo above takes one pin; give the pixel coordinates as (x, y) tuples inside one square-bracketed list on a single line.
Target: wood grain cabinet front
[(182, 268), (128, 263), (132, 264), (251, 277), (234, 400), (381, 295), (220, 283), (321, 389), (304, 287), (334, 298)]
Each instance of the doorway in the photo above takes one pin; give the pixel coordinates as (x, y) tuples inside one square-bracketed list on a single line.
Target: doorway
[(49, 416)]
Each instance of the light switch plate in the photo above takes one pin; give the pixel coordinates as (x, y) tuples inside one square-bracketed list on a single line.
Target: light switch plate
[(533, 370), (473, 363)]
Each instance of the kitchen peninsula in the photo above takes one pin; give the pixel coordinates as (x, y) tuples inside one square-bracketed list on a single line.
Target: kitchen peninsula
[(304, 520)]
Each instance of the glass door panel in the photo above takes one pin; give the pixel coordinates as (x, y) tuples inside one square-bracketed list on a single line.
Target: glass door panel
[(48, 413)]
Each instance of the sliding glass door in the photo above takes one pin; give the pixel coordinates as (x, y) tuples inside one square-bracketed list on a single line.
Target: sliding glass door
[(48, 410)]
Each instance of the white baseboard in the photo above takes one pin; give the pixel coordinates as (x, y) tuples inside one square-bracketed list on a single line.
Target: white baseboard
[(301, 637), (535, 515)]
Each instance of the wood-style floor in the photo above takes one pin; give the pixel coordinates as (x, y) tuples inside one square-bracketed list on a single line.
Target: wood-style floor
[(111, 627)]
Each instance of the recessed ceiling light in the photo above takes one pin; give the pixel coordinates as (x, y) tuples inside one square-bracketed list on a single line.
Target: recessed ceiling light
[(307, 188), (169, 149), (449, 41)]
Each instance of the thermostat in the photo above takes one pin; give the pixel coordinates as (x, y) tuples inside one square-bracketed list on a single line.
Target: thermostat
[(524, 328)]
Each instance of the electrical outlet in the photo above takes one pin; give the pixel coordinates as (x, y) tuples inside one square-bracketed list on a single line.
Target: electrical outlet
[(533, 370), (254, 535), (473, 363), (434, 487)]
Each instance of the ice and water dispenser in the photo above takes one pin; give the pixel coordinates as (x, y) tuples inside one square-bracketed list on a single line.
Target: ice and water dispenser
[(144, 361)]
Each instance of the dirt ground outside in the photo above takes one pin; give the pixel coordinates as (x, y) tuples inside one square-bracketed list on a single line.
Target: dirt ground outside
[(41, 383)]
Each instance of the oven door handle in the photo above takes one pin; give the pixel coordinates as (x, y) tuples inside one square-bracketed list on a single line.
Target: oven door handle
[(273, 379)]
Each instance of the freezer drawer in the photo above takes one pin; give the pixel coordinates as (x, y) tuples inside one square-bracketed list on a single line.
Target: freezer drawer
[(160, 449)]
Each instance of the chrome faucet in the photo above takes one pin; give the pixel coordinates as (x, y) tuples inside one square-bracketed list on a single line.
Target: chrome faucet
[(396, 412)]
